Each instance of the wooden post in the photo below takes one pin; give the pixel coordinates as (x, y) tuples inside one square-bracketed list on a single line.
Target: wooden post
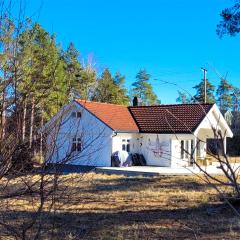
[(225, 145), (195, 150)]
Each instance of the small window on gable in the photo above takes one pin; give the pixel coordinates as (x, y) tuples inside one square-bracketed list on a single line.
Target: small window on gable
[(76, 145), (76, 114)]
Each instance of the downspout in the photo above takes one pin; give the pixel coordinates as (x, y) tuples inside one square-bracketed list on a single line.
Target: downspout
[(113, 135)]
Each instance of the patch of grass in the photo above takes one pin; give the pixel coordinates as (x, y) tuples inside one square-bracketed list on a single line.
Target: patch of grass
[(95, 206)]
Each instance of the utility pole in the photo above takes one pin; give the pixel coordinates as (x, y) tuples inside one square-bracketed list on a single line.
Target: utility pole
[(205, 83)]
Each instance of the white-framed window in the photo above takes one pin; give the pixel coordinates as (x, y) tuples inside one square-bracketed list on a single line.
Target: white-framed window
[(198, 147), (192, 149), (126, 145), (182, 149), (186, 149), (76, 145), (76, 114)]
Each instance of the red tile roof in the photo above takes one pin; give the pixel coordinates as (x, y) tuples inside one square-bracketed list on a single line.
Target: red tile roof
[(117, 117), (178, 118)]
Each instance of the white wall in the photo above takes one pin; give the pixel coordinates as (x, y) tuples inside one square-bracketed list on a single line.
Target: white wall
[(117, 142), (96, 139), (176, 160), (167, 153), (156, 154)]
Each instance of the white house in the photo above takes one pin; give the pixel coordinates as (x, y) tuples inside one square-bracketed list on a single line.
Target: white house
[(87, 133)]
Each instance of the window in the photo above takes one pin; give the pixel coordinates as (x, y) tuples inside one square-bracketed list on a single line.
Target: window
[(186, 149), (126, 145), (182, 149), (192, 150), (76, 145), (198, 147), (76, 114)]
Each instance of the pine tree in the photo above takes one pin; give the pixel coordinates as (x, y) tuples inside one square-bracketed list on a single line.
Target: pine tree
[(7, 31), (81, 80), (42, 87), (199, 97), (110, 90), (122, 96), (235, 97), (143, 89), (224, 98)]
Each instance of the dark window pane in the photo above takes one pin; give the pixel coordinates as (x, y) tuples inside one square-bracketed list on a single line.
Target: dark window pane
[(79, 114), (186, 149), (128, 147), (123, 147), (182, 149), (74, 147), (79, 147)]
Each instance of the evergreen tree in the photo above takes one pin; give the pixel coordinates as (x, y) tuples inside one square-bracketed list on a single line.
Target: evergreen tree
[(7, 30), (224, 98), (230, 20), (43, 72), (235, 99), (109, 89), (42, 87), (143, 89), (199, 97), (73, 70), (122, 96)]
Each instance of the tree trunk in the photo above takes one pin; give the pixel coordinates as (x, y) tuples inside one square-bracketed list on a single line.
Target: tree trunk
[(3, 116), (41, 139), (24, 120), (32, 122)]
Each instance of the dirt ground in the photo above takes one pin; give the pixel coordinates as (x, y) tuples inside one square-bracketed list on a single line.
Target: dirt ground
[(95, 206)]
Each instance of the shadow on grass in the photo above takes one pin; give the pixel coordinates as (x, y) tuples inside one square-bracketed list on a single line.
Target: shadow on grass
[(124, 183), (179, 223)]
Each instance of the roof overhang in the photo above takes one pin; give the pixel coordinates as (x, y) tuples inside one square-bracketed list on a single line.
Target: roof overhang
[(215, 120), (125, 131)]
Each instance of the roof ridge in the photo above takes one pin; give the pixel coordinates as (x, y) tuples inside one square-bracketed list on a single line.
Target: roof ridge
[(87, 101), (176, 104)]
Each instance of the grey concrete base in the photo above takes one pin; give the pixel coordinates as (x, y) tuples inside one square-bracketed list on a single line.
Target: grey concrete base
[(151, 171)]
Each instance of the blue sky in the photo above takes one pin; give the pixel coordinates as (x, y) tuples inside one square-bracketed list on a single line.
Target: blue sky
[(172, 40)]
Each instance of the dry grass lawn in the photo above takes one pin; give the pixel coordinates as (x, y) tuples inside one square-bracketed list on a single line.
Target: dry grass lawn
[(95, 206)]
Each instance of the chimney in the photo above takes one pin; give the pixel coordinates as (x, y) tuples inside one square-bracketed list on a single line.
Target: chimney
[(137, 101)]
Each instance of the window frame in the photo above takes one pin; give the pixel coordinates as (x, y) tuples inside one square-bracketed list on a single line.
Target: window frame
[(76, 114), (76, 145), (126, 144)]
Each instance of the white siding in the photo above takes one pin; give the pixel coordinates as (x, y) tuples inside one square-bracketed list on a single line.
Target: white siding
[(117, 142), (148, 144), (96, 139), (176, 160)]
